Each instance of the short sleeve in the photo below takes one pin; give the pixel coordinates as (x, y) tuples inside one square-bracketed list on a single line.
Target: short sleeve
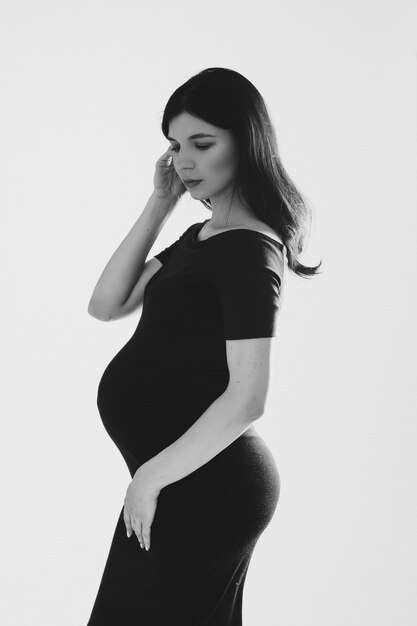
[(164, 255), (246, 275)]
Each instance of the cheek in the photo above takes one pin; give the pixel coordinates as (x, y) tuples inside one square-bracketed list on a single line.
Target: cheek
[(221, 165)]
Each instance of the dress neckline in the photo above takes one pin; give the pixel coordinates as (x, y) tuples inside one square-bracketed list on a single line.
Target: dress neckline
[(202, 242)]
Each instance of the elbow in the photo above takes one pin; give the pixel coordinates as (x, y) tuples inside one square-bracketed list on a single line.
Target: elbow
[(257, 410), (250, 406), (253, 410), (99, 312)]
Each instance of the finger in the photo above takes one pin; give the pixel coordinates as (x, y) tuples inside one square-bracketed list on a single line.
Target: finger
[(129, 530), (146, 536), (167, 155), (126, 519), (138, 532)]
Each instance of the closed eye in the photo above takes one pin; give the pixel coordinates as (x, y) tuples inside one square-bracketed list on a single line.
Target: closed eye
[(202, 147)]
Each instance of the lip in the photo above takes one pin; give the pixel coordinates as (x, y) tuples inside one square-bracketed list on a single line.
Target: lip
[(192, 183)]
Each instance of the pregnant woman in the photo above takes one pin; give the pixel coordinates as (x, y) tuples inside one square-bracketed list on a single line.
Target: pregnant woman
[(181, 397)]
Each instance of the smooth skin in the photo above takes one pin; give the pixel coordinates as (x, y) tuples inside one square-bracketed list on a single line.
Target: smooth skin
[(214, 159)]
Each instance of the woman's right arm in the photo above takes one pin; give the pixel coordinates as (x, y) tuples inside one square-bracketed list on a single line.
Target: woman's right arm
[(120, 288), (127, 264)]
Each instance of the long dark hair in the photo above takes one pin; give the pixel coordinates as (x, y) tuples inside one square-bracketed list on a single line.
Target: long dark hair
[(226, 99)]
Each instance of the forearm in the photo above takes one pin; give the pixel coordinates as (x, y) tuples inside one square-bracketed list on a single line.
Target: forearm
[(126, 264), (223, 422)]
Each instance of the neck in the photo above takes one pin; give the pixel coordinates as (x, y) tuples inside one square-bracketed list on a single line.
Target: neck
[(228, 211)]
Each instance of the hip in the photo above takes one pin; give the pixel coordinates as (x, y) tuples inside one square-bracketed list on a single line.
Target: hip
[(226, 502), (247, 464)]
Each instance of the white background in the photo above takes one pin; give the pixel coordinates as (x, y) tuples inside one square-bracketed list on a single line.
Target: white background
[(84, 85)]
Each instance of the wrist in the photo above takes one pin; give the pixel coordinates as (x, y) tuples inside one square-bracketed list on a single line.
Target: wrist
[(162, 201), (144, 475)]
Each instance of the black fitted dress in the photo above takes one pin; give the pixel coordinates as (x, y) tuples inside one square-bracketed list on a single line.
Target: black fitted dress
[(170, 371)]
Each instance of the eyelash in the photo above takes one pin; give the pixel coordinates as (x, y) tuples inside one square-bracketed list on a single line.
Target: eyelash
[(205, 147)]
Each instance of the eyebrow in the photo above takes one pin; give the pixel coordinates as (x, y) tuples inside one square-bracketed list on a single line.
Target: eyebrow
[(196, 136)]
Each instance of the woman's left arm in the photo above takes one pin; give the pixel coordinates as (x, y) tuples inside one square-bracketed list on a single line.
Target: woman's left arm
[(223, 422), (226, 418)]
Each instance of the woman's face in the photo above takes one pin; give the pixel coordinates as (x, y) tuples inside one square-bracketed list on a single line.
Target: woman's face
[(213, 159)]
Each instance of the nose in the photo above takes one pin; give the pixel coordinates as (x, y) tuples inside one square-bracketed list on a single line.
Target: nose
[(184, 166)]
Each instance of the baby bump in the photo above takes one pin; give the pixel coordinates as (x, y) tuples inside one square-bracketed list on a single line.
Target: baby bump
[(146, 410)]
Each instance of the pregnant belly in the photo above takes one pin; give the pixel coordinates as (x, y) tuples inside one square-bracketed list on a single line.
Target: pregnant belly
[(144, 409)]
